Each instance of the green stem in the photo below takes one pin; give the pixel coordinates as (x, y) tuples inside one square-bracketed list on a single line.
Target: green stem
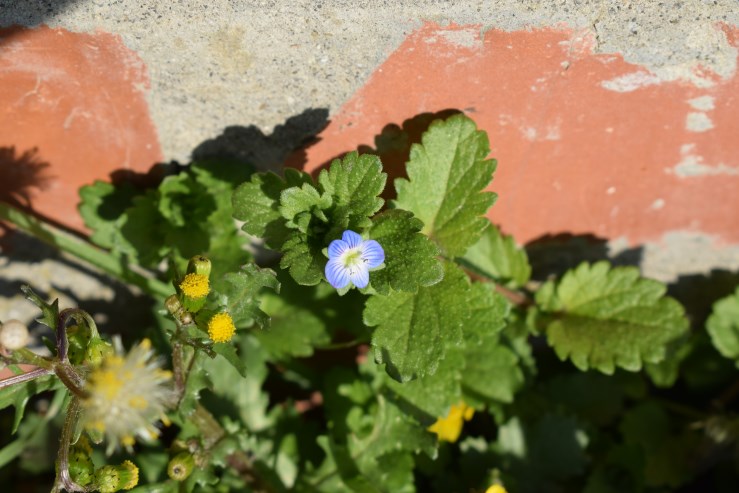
[(83, 250)]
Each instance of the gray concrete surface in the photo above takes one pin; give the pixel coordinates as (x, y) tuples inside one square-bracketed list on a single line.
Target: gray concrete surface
[(215, 63)]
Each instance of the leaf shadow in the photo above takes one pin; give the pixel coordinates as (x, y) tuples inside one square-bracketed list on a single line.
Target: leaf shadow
[(392, 146), (554, 254)]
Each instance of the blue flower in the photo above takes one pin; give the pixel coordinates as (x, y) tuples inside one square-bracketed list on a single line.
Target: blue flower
[(350, 260)]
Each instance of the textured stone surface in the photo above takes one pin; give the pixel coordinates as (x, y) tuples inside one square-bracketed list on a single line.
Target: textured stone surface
[(215, 63)]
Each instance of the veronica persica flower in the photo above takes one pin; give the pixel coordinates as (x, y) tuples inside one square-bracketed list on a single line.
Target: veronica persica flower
[(351, 258)]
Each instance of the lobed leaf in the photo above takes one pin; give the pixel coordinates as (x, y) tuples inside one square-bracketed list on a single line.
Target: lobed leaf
[(410, 258), (239, 292), (354, 184), (415, 330), (602, 317), (497, 257), (257, 204), (446, 175), (723, 326)]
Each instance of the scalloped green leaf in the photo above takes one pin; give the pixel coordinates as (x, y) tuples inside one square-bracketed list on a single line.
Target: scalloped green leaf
[(303, 256), (410, 258), (298, 205), (497, 257), (447, 174), (354, 183), (102, 207), (257, 203), (723, 326), (239, 293), (602, 317), (415, 330)]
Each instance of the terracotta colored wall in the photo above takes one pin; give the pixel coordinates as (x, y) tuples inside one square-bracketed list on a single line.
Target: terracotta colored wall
[(72, 110), (589, 141), (586, 143)]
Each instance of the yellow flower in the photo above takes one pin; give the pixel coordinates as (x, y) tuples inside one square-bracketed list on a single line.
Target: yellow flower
[(195, 286), (496, 488), (125, 396), (221, 327), (448, 429)]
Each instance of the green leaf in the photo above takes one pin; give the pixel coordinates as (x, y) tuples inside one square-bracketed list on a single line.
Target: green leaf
[(257, 204), (298, 205), (492, 371), (410, 258), (49, 311), (295, 329), (723, 326), (446, 174), (497, 257), (353, 183), (303, 256), (102, 207), (670, 458), (600, 318), (243, 392), (229, 354), (240, 293), (18, 395), (415, 330), (549, 450), (430, 397), (143, 230)]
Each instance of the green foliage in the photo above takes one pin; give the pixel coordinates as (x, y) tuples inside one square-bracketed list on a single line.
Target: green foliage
[(446, 174), (600, 318), (239, 293), (410, 258), (415, 331), (497, 257), (322, 390), (723, 326), (187, 214)]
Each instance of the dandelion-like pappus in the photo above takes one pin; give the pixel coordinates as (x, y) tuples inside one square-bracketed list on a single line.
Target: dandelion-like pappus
[(125, 396)]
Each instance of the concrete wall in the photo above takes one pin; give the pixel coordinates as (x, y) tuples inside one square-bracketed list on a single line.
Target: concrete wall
[(610, 118)]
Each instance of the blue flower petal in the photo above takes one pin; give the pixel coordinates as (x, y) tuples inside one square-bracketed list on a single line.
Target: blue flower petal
[(360, 276), (336, 248), (351, 238), (372, 254), (336, 274)]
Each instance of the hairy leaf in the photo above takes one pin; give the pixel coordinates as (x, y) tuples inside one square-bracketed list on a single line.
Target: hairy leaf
[(497, 257), (49, 311), (239, 292), (410, 258), (723, 326), (446, 175), (257, 204), (601, 318), (303, 256), (17, 395), (415, 330), (353, 183), (298, 205), (102, 207)]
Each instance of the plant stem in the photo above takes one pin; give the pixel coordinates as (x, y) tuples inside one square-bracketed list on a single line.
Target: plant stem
[(83, 250)]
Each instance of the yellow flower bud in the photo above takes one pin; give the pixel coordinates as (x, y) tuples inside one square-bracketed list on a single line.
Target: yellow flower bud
[(449, 428)]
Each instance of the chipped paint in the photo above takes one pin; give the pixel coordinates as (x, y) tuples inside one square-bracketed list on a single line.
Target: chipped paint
[(703, 103), (623, 136), (631, 82), (698, 122), (692, 165)]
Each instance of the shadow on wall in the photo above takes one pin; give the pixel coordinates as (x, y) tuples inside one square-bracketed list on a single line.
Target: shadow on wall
[(21, 173), (249, 145), (31, 13)]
